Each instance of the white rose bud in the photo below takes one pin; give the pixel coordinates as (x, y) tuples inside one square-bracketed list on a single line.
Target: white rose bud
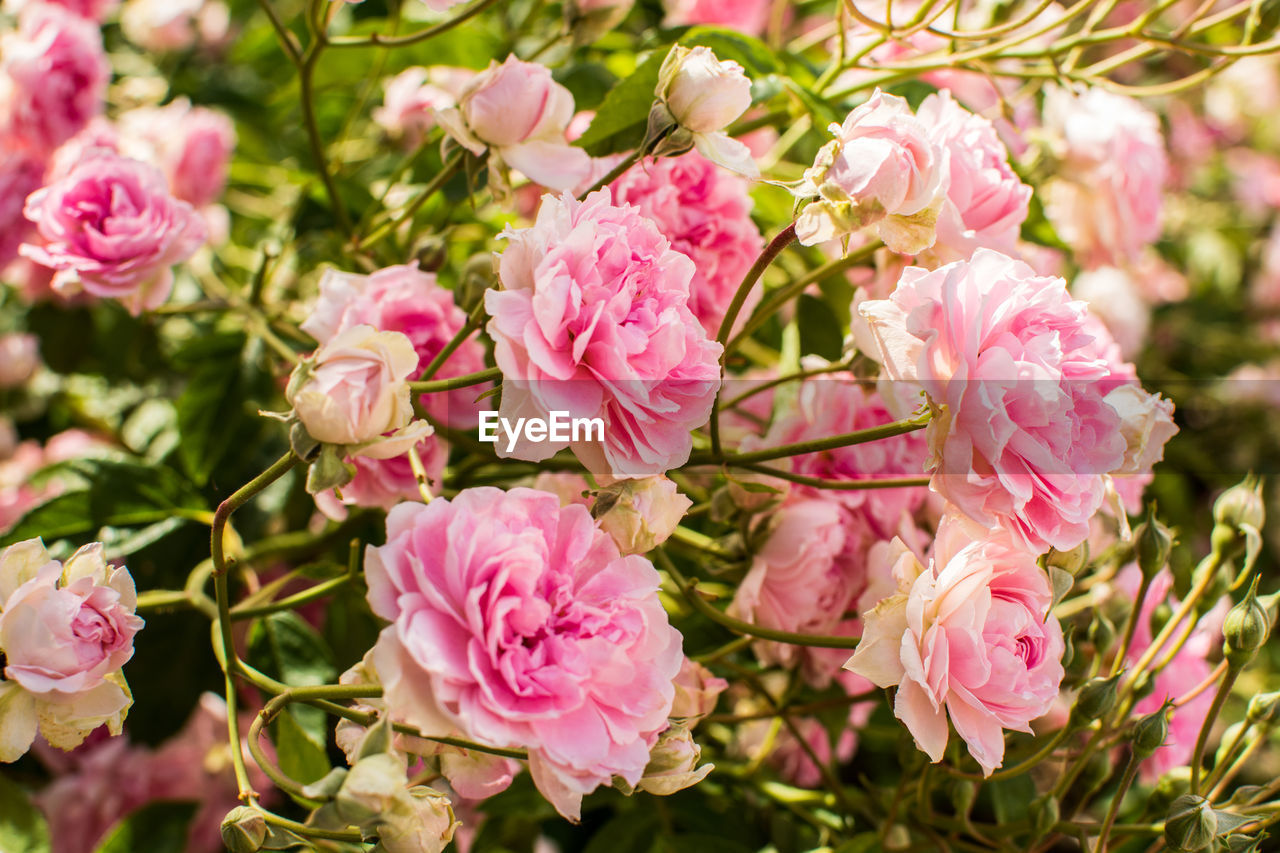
[(641, 514), (672, 763), (703, 95), (1146, 422)]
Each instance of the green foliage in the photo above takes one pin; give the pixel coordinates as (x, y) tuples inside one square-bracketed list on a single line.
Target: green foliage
[(22, 828), (160, 827)]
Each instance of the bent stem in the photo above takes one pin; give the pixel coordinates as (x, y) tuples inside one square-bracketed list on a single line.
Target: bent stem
[(379, 40), (447, 171), (477, 378), (1130, 771), (1219, 698), (816, 445), (837, 485), (616, 172)]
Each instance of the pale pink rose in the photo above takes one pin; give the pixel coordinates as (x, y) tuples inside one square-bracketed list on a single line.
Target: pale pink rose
[(704, 95), (592, 319), (641, 514), (1107, 198), (568, 653), (833, 404), (568, 487), (706, 214), (354, 389), (697, 691), (65, 631), (800, 579), (110, 227), (412, 97), (1188, 669), (21, 174), (882, 169), (1025, 439), (969, 637), (109, 779), (162, 26), (53, 75), (191, 145), (19, 358), (1146, 422), (93, 10), (441, 5), (100, 132), (986, 202), (19, 494), (520, 112), (404, 299), (1113, 296), (383, 483), (747, 16)]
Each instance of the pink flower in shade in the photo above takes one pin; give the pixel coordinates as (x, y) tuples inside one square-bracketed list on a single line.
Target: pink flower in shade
[(412, 97), (746, 16), (92, 10), (19, 358), (1188, 669), (697, 691), (1107, 200), (1021, 437), (517, 622), (192, 146), (173, 25), (986, 202), (969, 637), (383, 483), (520, 112), (21, 174), (706, 214), (110, 227), (53, 77), (834, 404), (592, 319)]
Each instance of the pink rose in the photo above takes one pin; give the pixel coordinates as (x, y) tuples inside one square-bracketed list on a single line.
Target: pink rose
[(567, 651), (412, 97), (53, 77), (1113, 297), (93, 10), (354, 389), (192, 145), (161, 26), (883, 169), (521, 113), (1021, 437), (970, 637), (592, 319), (986, 202), (65, 631), (1107, 199), (697, 691), (19, 358), (568, 487), (112, 228), (706, 214), (640, 514), (383, 483), (21, 174), (746, 16)]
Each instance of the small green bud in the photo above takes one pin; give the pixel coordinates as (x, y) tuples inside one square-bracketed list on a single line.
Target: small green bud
[(1044, 813), (1160, 617), (1191, 824), (1263, 708), (1143, 684), (1096, 698), (963, 794), (1173, 784), (1244, 631), (244, 830), (1102, 633), (1241, 504), (431, 252), (477, 278), (1150, 732), (1072, 561), (1152, 544)]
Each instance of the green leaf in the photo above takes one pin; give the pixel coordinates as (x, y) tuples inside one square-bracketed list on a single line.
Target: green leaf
[(1011, 798), (22, 828), (863, 842), (286, 648), (300, 757), (753, 55), (156, 828), (623, 115), (820, 332), (211, 402)]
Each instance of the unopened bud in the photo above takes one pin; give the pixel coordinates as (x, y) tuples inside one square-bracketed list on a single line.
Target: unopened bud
[(1102, 633), (1152, 544), (1263, 707), (431, 252), (244, 830), (1150, 732), (1097, 697), (1160, 617), (1072, 561), (673, 763), (1173, 784), (477, 277), (963, 794), (1191, 824), (1241, 504), (1244, 631)]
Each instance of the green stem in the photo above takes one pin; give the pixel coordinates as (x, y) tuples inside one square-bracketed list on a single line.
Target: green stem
[(352, 836), (474, 321), (1130, 771), (447, 171), (616, 172), (294, 601), (1219, 698), (738, 626), (816, 445), (838, 485), (477, 378), (306, 81), (238, 499), (378, 40), (1131, 626)]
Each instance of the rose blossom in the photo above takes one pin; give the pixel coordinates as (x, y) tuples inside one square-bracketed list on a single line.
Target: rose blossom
[(21, 174), (640, 514), (704, 95), (412, 97), (970, 636), (93, 10), (112, 228), (697, 691), (745, 16), (517, 622), (592, 319), (161, 26), (65, 631), (355, 388), (192, 146), (520, 112), (1021, 436), (884, 169), (986, 203), (19, 358), (1107, 199), (53, 77), (706, 214)]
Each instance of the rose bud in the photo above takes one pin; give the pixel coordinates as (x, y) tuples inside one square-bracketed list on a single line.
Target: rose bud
[(672, 763), (696, 692), (641, 514), (1191, 824), (702, 96)]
